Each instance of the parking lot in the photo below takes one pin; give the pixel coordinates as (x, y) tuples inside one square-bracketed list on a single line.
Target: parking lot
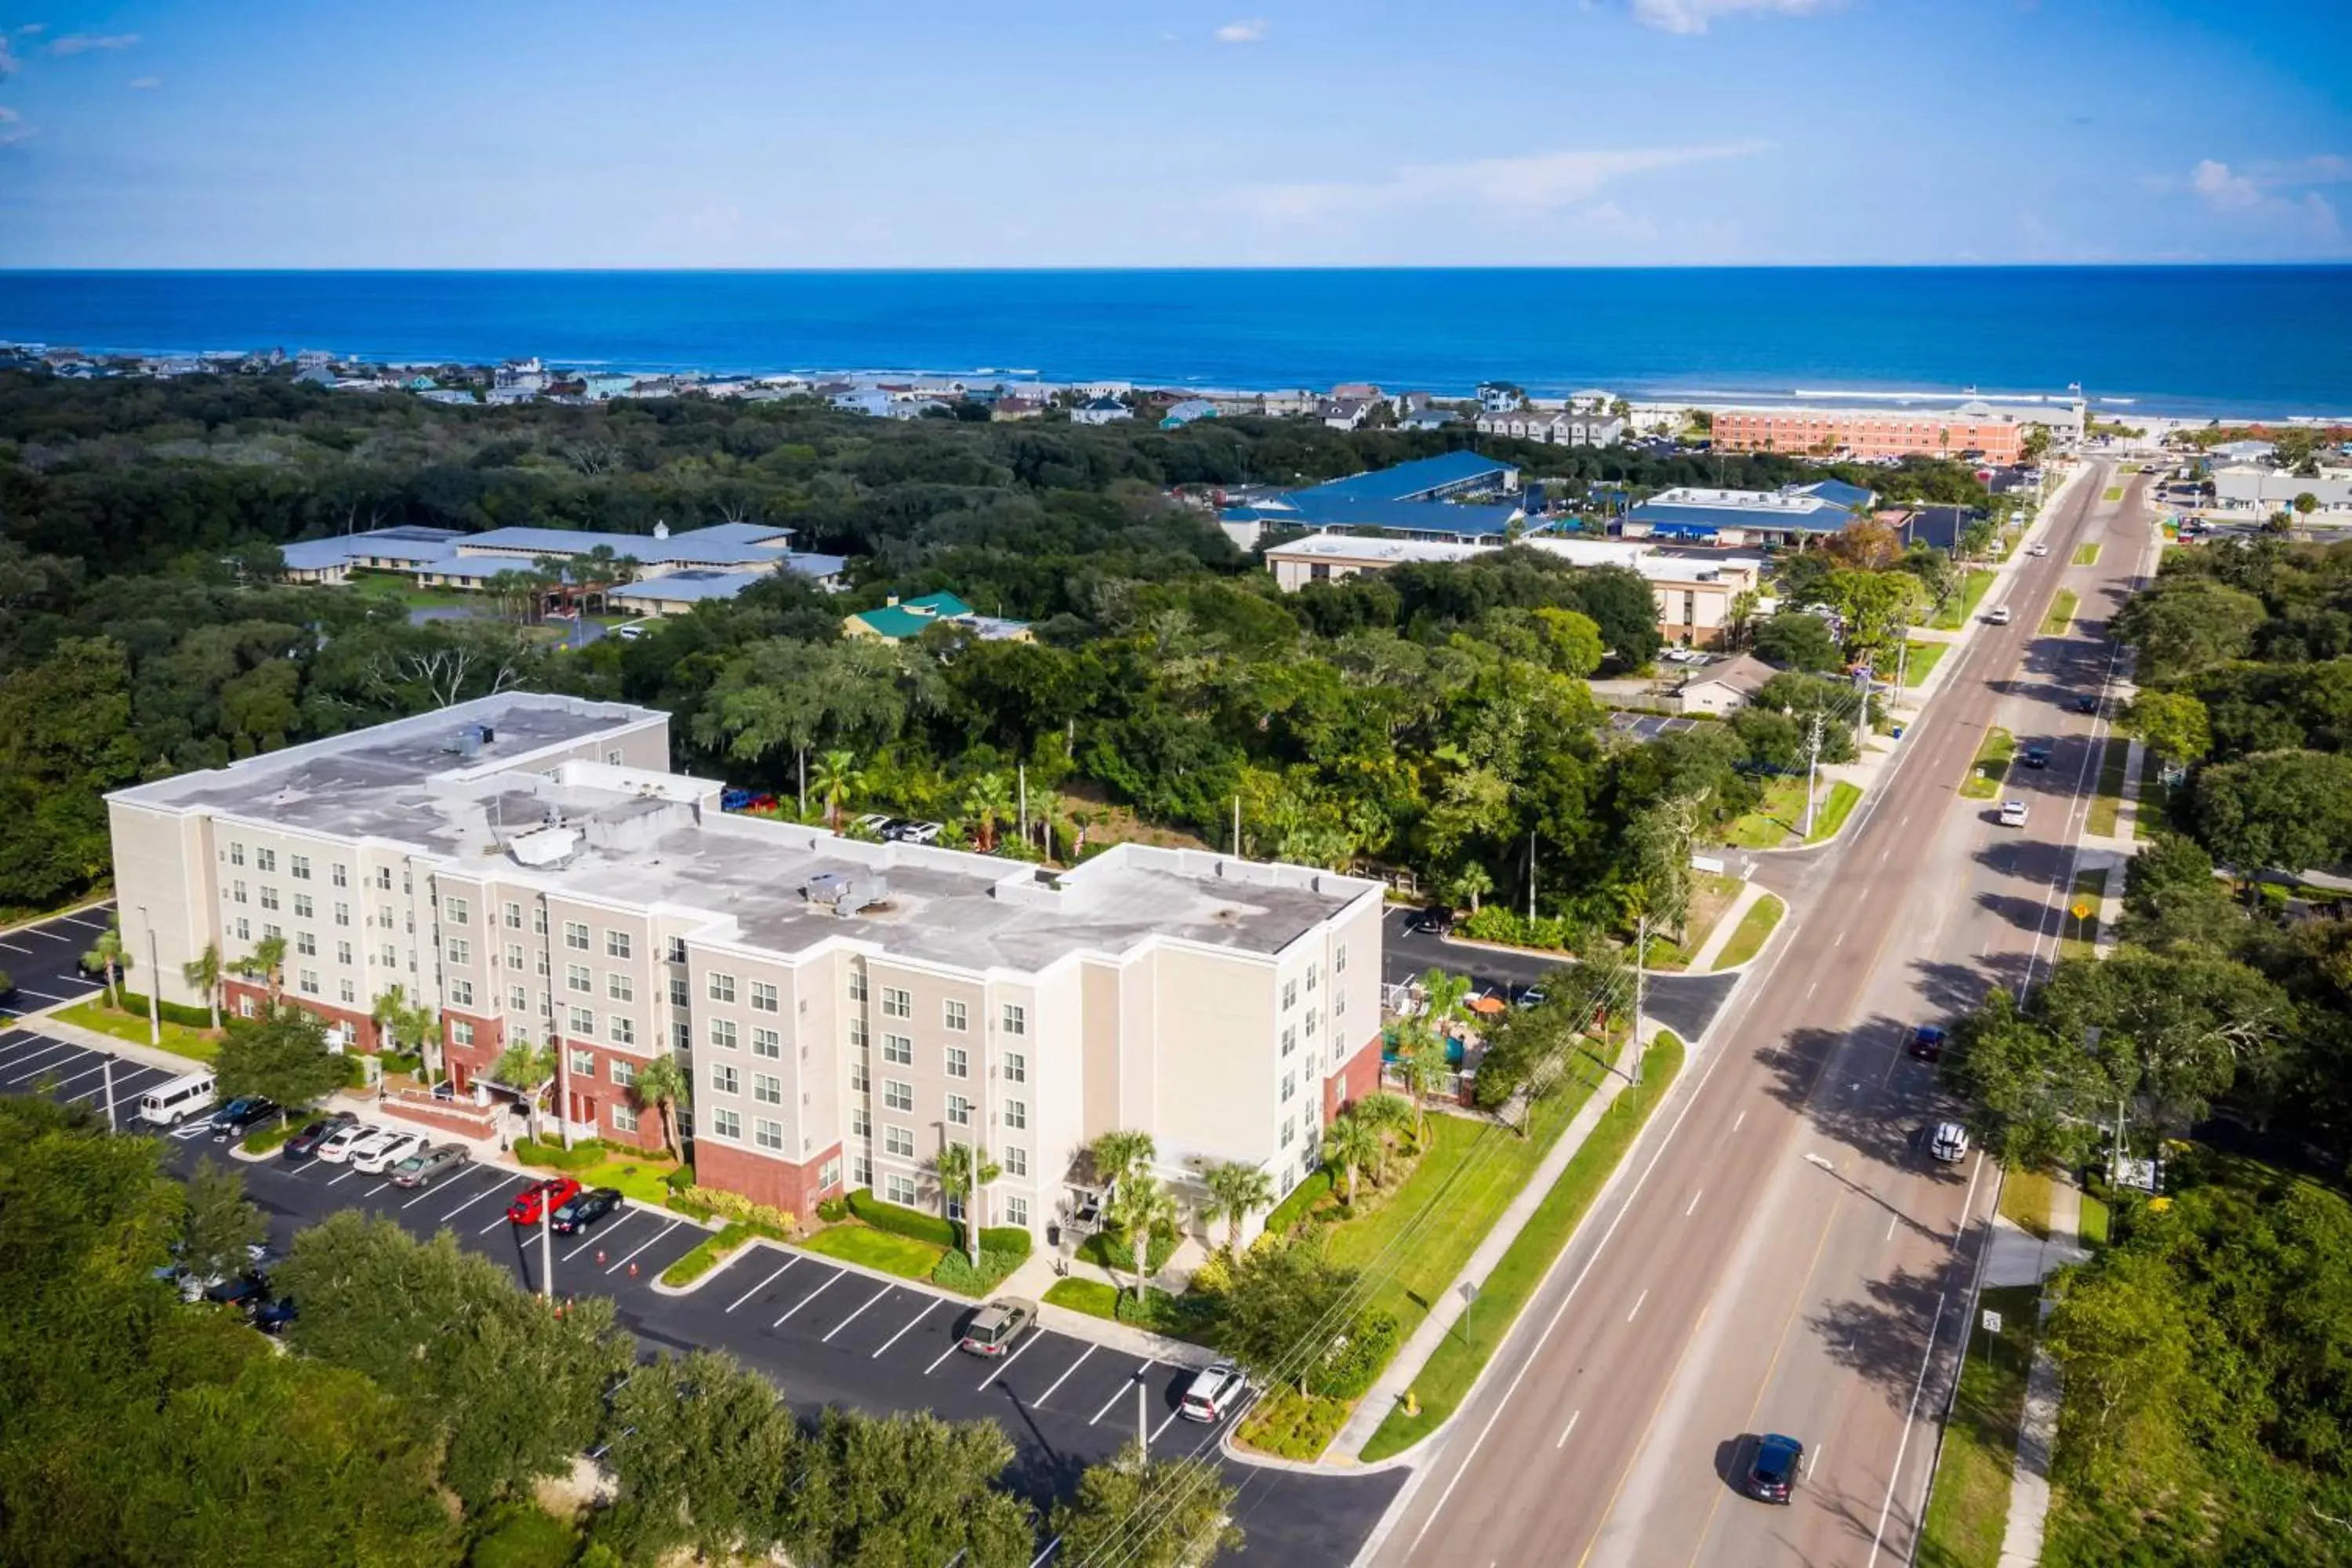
[(826, 1334), (41, 959)]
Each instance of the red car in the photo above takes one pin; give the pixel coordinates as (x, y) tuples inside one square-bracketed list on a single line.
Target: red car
[(553, 1193)]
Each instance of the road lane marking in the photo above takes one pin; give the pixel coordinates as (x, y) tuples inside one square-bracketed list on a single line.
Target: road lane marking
[(1694, 1202), (489, 1191), (1735, 1126), (488, 1228), (854, 1315), (953, 1346), (349, 1171), (588, 1238), (1140, 1375), (37, 1056), (1064, 1378), (1911, 1419), (655, 1237), (1567, 1429), (1890, 1226), (12, 947), (1816, 985), (1164, 1423), (1006, 1365), (901, 1334), (423, 1193), (1626, 1470), (77, 921), (762, 1285), (1637, 1305), (1839, 941)]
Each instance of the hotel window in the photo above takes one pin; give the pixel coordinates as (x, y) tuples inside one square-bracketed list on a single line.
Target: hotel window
[(861, 1124), (857, 985), (236, 854), (726, 1124), (1016, 1114), (681, 1035), (1017, 1068), (829, 1175), (767, 1089), (514, 955), (617, 945), (343, 913), (1289, 1084), (677, 950), (1338, 1003), (1310, 980), (953, 1017), (613, 757), (763, 996), (767, 1043), (897, 1003), (622, 1073), (303, 909), (1289, 1041), (383, 878), (625, 1030), (539, 920), (624, 1118), (540, 963), (958, 1062), (454, 909), (461, 992), (959, 1110), (461, 1033), (898, 1143), (861, 1170), (722, 1032), (310, 983), (861, 1081), (460, 950), (390, 956), (245, 933), (342, 875), (306, 944), (519, 999), (898, 1049), (575, 935), (577, 978), (269, 930), (265, 860), (269, 897), (342, 953), (299, 866), (1310, 1026), (1016, 1212), (678, 996), (1289, 994), (1017, 1160), (1289, 1130), (768, 1134), (383, 920), (722, 987), (897, 1095), (1016, 1018), (620, 988), (237, 891), (725, 1079), (583, 1064), (583, 1021), (901, 1190)]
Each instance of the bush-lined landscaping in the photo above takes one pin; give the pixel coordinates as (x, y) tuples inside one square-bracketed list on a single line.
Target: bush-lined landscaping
[(180, 1039), (709, 1253), (1968, 1511), (892, 1253), (1190, 1316), (2108, 803)]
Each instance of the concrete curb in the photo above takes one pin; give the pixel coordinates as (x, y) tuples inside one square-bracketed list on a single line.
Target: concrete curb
[(661, 1288), (1766, 945)]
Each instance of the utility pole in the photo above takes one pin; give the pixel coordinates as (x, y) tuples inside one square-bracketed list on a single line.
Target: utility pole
[(154, 984), (546, 1247), (971, 1203), (1862, 712), (106, 1070), (1142, 1424), (1531, 876), (1021, 773), (1237, 825), (1641, 958), (1812, 769)]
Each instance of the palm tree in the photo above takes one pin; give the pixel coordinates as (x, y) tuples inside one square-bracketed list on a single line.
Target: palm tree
[(954, 1170), (109, 953), (1422, 1054), (1121, 1155), (837, 779), (204, 972), (402, 1020), (1472, 884), (1352, 1142), (988, 801), (267, 962), (1143, 1209), (1384, 1114), (662, 1084), (1234, 1191)]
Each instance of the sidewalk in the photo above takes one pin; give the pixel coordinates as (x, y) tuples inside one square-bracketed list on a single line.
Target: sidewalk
[(1406, 1365), (1726, 925), (2037, 1427)]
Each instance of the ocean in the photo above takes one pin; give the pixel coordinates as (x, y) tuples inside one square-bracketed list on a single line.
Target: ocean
[(2271, 342)]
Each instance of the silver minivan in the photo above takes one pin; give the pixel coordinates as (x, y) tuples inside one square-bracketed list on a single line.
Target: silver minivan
[(169, 1104)]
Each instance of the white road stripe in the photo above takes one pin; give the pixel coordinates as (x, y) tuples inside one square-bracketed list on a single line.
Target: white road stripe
[(1141, 1373), (1735, 1126), (1006, 1365), (764, 1284), (588, 1238), (1694, 1202), (491, 1227), (1065, 1377), (12, 947), (88, 925), (1164, 1423), (37, 1056), (657, 1236), (837, 1274), (1637, 1306), (853, 1316), (1567, 1429), (894, 1339), (952, 1346), (478, 1197)]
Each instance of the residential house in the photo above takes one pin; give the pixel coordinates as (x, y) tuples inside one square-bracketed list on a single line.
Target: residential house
[(1724, 687), (899, 619), (1104, 410), (1181, 414)]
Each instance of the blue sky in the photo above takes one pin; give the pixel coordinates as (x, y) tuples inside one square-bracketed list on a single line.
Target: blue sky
[(1038, 133)]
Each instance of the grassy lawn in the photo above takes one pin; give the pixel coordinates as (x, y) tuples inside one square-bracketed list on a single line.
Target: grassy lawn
[(2092, 1229), (1755, 928), (2061, 612), (1962, 605), (179, 1039), (900, 1255), (2113, 492), (2109, 801), (1178, 1317), (637, 1175), (2081, 937), (1967, 1512), (2025, 1202), (2086, 555), (1711, 895), (388, 586), (1923, 657), (1843, 799), (1443, 1382), (1772, 823), (1991, 766)]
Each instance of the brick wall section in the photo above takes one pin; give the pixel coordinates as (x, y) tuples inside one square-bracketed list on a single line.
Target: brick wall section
[(466, 1063), (359, 1028), (462, 1123), (1358, 1077), (595, 1097), (795, 1189)]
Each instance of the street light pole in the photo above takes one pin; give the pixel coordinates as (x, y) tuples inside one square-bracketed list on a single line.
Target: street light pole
[(106, 1070), (546, 1247), (154, 984), (1641, 958), (1813, 770)]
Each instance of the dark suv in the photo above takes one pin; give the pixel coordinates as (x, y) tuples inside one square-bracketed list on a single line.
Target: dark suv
[(1927, 1043), (1772, 1474)]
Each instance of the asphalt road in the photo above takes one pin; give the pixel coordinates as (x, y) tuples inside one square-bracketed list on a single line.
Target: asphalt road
[(825, 1335), (1781, 1255), (41, 959), (1686, 1004)]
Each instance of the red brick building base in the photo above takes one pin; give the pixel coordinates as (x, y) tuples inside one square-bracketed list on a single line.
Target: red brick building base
[(795, 1189), (246, 999), (1358, 1077)]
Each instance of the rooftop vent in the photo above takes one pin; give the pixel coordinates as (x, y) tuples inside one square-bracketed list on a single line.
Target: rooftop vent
[(847, 892)]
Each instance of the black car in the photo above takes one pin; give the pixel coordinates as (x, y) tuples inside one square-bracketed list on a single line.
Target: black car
[(241, 1116), (2087, 703), (305, 1143), (2035, 756), (246, 1293), (271, 1316), (586, 1209), (1772, 1474), (1927, 1043)]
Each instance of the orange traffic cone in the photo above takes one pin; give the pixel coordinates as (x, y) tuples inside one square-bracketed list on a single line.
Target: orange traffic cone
[(633, 1271), (600, 1257)]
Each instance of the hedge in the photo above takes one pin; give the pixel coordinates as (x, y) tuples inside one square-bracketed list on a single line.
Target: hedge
[(1348, 1371), (900, 1220), (579, 1157), (179, 1013), (705, 1254), (702, 1203), (1302, 1198), (1009, 1239), (954, 1271), (1495, 923), (1108, 1248)]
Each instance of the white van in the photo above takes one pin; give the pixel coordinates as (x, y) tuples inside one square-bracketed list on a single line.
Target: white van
[(169, 1104)]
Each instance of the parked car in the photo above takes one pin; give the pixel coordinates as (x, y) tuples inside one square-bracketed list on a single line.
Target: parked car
[(1948, 1143), (1773, 1473), (586, 1209), (2035, 756), (1927, 1043), (877, 823), (422, 1167), (305, 1143), (241, 1116), (169, 1104), (365, 1148), (271, 1316), (2013, 814), (336, 1146), (246, 1293), (375, 1159), (553, 1193), (996, 1327), (1214, 1391), (914, 832)]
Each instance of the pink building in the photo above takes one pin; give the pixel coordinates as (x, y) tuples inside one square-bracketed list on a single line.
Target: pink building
[(1872, 432)]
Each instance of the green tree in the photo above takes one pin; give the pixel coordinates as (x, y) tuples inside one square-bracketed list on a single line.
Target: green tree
[(1394, 1117), (400, 1019), (2172, 724), (1142, 1211), (2276, 810), (109, 953), (2177, 1028), (2122, 1344), (837, 779), (2036, 1099), (1284, 1306), (204, 972), (282, 1055), (1350, 1145), (1794, 640), (1236, 1192), (266, 962), (65, 740), (221, 1223), (530, 1070), (700, 1453), (954, 1168), (1121, 1154), (989, 802), (2185, 625), (1165, 1513), (662, 1086), (910, 1489)]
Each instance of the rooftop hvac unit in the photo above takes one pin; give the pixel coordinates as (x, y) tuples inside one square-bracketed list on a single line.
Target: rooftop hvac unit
[(847, 892)]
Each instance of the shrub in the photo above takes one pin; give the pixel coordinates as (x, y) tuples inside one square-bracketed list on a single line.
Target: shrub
[(262, 1139), (400, 1062), (833, 1211), (1216, 1277), (679, 1180), (1294, 1428), (170, 1012), (1010, 1238), (1301, 1201), (733, 1207), (555, 1156), (954, 1271), (1495, 923), (1108, 1248), (900, 1221), (706, 1254), (1348, 1371), (521, 1535)]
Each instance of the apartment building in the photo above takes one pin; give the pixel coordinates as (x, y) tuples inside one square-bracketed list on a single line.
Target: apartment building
[(1896, 432), (528, 864)]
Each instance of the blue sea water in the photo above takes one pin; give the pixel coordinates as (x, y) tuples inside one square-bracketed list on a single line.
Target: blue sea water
[(2252, 340)]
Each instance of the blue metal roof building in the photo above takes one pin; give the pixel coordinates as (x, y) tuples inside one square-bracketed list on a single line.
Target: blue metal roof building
[(1410, 498), (1768, 516), (1424, 480)]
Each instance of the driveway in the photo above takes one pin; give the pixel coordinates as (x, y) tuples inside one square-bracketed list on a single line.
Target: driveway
[(1686, 1004)]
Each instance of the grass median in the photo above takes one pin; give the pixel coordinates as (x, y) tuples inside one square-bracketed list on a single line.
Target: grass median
[(1967, 1509), (2112, 493), (2061, 612), (1923, 657), (1755, 930), (2108, 803), (2086, 555), (2081, 937), (1962, 605), (1446, 1380), (1843, 799), (1991, 766), (900, 1254), (132, 1027)]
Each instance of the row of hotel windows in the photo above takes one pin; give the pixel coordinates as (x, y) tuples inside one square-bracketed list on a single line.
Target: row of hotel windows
[(901, 1190)]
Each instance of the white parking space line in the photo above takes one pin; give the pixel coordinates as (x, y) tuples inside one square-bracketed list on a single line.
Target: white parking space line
[(51, 995), (87, 1072), (829, 1281), (1065, 1377), (592, 1236), (953, 1346), (1006, 1365), (1142, 1374), (495, 1223), (1164, 1423), (349, 1171), (655, 1237), (191, 1132), (12, 947), (901, 1334), (424, 1193), (853, 1316), (486, 1191), (79, 920), (764, 1284), (53, 1049)]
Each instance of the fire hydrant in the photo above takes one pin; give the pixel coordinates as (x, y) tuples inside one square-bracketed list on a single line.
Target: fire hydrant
[(1412, 1404)]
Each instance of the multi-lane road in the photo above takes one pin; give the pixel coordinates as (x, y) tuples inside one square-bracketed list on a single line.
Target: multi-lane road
[(1781, 1254)]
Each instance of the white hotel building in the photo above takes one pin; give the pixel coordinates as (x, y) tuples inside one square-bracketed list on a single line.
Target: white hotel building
[(528, 864)]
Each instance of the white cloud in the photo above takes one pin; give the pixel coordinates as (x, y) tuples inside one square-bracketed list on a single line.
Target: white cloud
[(1687, 16), (145, 83), (8, 60), (1249, 32), (2222, 190), (1534, 183), (82, 43), (31, 28)]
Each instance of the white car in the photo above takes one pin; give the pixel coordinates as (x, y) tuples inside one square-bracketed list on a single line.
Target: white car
[(2039, 550), (2013, 814), (1948, 1143), (1997, 615), (336, 1146), (381, 1153)]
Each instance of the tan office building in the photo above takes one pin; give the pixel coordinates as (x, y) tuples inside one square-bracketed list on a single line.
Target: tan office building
[(527, 865)]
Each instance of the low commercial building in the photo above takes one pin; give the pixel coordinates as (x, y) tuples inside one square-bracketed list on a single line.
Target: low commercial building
[(1999, 436), (1554, 427), (1100, 411), (1426, 498), (717, 561), (1723, 689), (2260, 487), (901, 618), (527, 866), (1700, 516)]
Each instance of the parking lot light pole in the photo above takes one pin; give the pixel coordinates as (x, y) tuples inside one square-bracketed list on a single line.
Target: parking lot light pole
[(546, 1248), (1142, 1422), (106, 1070), (154, 986)]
